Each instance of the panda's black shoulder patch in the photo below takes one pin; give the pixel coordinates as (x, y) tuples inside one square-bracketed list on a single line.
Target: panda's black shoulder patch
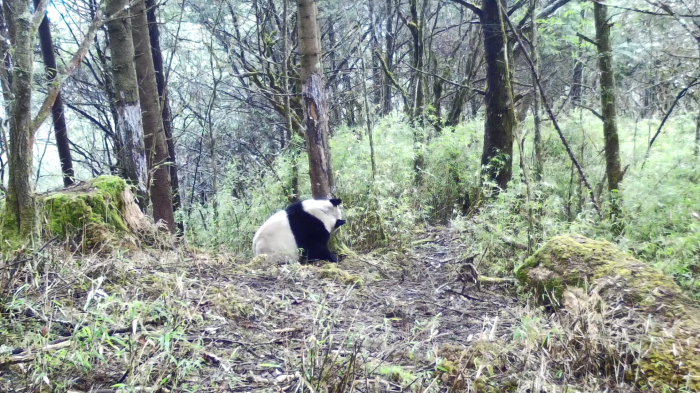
[(309, 233)]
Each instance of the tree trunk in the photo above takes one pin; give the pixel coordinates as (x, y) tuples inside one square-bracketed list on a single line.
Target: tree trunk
[(416, 90), (129, 124), (417, 111), (20, 199), (115, 136), (374, 21), (497, 156), (151, 112), (438, 84), (576, 83), (154, 35), (315, 110), (607, 97), (539, 159), (293, 189), (697, 137), (57, 110), (577, 79), (455, 115), (369, 123), (389, 56)]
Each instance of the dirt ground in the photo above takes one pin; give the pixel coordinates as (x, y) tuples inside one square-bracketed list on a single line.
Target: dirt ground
[(174, 321)]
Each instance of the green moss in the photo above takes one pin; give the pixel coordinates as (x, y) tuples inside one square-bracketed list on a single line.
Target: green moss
[(93, 209), (397, 374), (672, 347), (332, 271)]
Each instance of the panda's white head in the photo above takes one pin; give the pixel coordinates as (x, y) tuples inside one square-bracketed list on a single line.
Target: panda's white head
[(326, 210)]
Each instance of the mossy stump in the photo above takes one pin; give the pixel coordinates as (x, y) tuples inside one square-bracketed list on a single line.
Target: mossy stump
[(97, 213), (670, 352)]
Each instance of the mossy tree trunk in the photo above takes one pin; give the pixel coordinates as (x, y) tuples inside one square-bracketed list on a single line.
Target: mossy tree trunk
[(497, 155), (315, 108), (154, 35), (20, 204), (129, 124), (57, 110), (154, 135), (607, 97)]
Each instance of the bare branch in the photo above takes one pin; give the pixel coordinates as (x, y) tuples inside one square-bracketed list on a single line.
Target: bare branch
[(680, 95), (593, 111)]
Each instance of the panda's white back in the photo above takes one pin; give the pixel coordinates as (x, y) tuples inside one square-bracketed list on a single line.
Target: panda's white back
[(275, 236)]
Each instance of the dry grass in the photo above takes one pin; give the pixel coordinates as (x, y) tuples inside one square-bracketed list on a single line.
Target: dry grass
[(191, 321)]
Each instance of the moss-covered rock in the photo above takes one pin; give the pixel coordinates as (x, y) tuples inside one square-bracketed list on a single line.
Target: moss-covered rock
[(670, 353), (92, 213)]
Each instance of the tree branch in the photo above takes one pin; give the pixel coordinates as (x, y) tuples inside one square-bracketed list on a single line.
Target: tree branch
[(39, 14), (589, 40), (473, 8), (593, 111), (449, 82), (64, 73), (680, 95), (391, 77), (552, 8)]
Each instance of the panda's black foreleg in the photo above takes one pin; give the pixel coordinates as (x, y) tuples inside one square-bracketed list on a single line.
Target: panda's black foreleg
[(322, 253)]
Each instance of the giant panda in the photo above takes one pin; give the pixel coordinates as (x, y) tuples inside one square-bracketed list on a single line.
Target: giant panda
[(305, 225)]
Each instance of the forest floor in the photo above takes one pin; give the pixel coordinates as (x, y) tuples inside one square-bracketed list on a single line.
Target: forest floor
[(193, 321)]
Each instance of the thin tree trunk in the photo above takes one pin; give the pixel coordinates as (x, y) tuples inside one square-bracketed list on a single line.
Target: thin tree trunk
[(151, 112), (417, 54), (118, 167), (57, 110), (539, 148), (335, 113), (455, 115), (438, 84), (577, 79), (417, 110), (607, 97), (576, 83), (129, 124), (376, 75), (315, 109), (293, 194), (369, 123), (154, 34), (20, 199), (389, 57), (696, 151), (4, 67), (497, 156)]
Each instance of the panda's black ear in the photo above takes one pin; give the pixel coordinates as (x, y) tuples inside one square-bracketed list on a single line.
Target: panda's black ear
[(335, 201)]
